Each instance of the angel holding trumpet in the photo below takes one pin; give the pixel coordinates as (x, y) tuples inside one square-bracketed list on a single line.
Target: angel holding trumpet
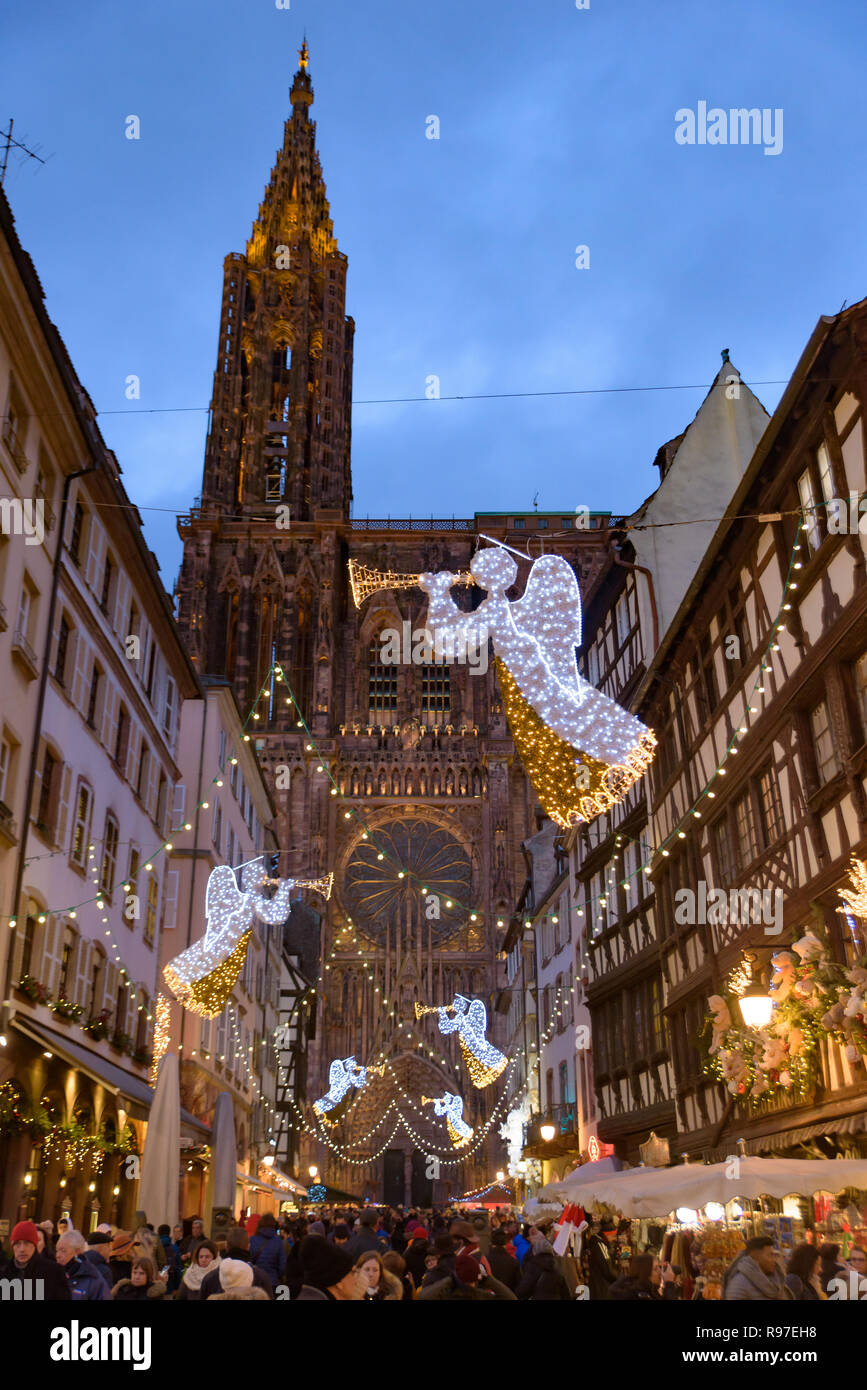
[(483, 1061), (581, 750)]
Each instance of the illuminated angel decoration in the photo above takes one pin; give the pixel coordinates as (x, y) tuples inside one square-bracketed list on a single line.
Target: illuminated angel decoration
[(203, 976), (344, 1076), (483, 1061), (452, 1107), (581, 750)]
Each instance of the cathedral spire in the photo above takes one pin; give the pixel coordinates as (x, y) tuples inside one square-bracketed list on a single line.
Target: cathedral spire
[(282, 390)]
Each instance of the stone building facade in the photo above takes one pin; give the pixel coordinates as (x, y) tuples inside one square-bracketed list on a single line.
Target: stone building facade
[(411, 762)]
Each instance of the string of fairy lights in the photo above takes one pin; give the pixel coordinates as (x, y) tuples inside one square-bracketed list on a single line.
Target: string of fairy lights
[(340, 949)]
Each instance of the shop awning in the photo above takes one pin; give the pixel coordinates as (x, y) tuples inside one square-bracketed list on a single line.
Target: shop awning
[(790, 1138), (135, 1093), (291, 1186)]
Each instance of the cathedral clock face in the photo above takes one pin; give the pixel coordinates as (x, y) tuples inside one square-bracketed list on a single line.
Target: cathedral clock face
[(432, 858)]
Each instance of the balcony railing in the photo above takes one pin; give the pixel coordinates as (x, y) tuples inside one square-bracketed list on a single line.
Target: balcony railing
[(563, 1117)]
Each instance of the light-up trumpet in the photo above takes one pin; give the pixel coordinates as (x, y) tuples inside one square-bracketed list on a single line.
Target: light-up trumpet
[(364, 581), (432, 1009), (321, 885), (428, 1100)]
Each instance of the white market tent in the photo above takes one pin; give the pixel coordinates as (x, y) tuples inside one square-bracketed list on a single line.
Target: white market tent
[(655, 1192)]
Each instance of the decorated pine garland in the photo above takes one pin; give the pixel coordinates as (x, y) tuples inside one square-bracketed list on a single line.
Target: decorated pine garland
[(814, 997)]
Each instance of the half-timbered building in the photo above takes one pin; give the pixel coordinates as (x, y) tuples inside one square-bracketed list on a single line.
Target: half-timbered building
[(758, 694)]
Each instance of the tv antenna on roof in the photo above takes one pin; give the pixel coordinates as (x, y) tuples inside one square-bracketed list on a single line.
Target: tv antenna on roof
[(16, 145)]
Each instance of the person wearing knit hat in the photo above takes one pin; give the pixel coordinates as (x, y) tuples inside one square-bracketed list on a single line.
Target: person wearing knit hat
[(235, 1274), (237, 1252), (328, 1273), (27, 1267), (469, 1282)]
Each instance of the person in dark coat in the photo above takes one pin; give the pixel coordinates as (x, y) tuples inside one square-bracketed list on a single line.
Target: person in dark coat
[(95, 1254), (415, 1253), (86, 1284), (267, 1251), (802, 1274), (541, 1277), (645, 1281), (329, 1276), (831, 1266), (503, 1265), (366, 1238), (171, 1257), (237, 1248), (470, 1282), (601, 1273), (143, 1284), (444, 1249), (27, 1265)]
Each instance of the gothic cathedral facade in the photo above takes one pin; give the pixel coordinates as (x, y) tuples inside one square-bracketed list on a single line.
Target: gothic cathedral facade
[(401, 778)]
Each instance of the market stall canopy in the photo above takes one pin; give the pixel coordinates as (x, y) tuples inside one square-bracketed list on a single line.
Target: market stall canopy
[(655, 1192)]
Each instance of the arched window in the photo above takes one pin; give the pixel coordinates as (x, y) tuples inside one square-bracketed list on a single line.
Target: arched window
[(450, 782), (395, 784), (381, 687), (422, 782), (463, 782), (354, 783)]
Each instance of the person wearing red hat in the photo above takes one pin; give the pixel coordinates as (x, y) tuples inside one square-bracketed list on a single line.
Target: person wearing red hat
[(39, 1278)]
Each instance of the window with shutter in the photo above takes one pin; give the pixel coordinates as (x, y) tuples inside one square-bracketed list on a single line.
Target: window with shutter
[(170, 899), (134, 740), (152, 786), (81, 825), (169, 709), (49, 966), (65, 787), (82, 672), (95, 557), (109, 856), (95, 1001), (111, 711), (151, 909), (81, 986), (121, 605), (178, 804)]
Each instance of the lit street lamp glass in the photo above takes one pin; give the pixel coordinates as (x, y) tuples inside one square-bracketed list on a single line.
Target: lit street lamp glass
[(547, 1131), (756, 1010), (313, 1170), (500, 1175)]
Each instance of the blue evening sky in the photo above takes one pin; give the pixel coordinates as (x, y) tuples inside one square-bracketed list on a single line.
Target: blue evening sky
[(557, 129)]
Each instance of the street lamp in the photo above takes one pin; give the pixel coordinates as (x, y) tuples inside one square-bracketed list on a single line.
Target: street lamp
[(500, 1175), (756, 1004), (547, 1131), (313, 1170)]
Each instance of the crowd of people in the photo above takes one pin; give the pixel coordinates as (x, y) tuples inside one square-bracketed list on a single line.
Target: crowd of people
[(386, 1255)]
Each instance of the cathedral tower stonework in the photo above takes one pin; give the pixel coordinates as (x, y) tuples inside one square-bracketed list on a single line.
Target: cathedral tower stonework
[(431, 793)]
